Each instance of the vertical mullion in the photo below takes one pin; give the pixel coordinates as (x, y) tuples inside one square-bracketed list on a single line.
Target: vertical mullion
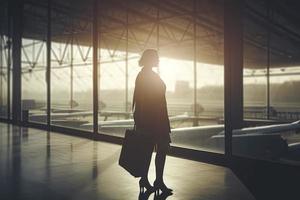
[(9, 20), (126, 62), (71, 66), (1, 69), (195, 61), (268, 61), (95, 66), (157, 29), (48, 69), (16, 53)]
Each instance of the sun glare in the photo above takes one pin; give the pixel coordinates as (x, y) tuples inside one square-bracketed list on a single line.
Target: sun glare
[(173, 70)]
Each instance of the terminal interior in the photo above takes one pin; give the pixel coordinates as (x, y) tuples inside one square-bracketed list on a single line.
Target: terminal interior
[(67, 76)]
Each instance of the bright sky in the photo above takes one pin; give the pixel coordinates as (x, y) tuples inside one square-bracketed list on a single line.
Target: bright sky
[(172, 70), (112, 73)]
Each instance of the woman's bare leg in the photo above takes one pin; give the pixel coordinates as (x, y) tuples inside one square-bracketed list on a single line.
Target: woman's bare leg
[(160, 160), (147, 165)]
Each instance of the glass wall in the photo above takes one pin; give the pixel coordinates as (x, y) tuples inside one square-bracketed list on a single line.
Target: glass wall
[(34, 61), (255, 63), (271, 64), (4, 59), (189, 39), (71, 64), (113, 102), (193, 72), (285, 79), (209, 86)]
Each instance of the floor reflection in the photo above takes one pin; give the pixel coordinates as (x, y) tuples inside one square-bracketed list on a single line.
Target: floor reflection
[(48, 158), (146, 195), (95, 160), (37, 164)]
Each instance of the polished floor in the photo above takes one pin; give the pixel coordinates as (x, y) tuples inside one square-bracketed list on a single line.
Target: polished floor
[(36, 164)]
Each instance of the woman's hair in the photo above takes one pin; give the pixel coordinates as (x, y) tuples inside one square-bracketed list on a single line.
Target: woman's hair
[(147, 56)]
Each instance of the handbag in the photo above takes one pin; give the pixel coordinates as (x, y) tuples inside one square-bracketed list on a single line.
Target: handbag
[(136, 150)]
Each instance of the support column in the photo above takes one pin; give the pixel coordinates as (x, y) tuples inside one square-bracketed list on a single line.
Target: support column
[(95, 66), (72, 68), (17, 10), (48, 69), (9, 36), (233, 66), (1, 70), (268, 59), (126, 62), (195, 123)]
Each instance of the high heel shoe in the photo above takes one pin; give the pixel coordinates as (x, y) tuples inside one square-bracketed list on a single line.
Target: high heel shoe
[(144, 183), (160, 185), (145, 195), (162, 196)]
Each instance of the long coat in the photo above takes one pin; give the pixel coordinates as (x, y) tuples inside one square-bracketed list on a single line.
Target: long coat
[(150, 107)]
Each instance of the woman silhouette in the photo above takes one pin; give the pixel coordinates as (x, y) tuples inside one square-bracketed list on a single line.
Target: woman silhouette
[(151, 117)]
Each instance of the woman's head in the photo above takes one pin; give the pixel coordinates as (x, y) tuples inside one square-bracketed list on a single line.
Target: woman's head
[(149, 58)]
